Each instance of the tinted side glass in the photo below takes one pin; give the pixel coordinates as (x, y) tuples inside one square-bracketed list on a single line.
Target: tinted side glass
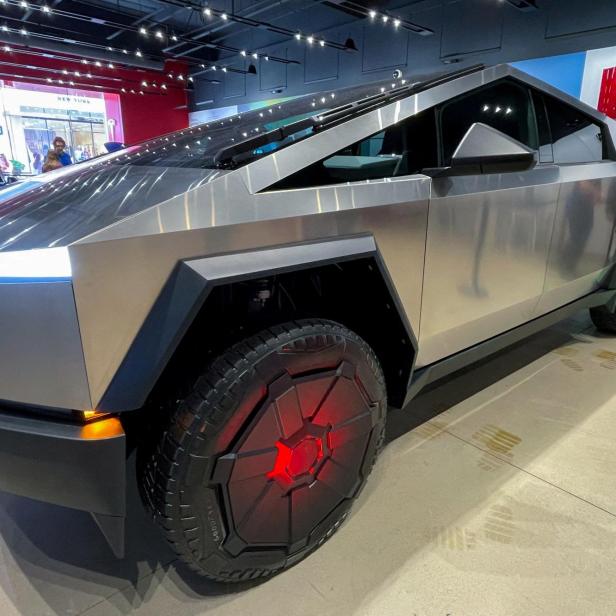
[(403, 149), (576, 138), (505, 106)]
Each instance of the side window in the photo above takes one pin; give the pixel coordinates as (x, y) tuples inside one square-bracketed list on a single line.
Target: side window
[(505, 106), (403, 149), (576, 138)]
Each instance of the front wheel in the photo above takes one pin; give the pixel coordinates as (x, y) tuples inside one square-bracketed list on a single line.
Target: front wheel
[(262, 460)]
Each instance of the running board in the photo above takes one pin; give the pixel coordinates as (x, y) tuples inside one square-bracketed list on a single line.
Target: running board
[(424, 376)]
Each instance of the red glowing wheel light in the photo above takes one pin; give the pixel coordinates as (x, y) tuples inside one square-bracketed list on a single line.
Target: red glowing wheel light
[(300, 459)]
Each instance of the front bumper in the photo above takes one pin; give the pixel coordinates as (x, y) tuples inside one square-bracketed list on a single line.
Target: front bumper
[(73, 465)]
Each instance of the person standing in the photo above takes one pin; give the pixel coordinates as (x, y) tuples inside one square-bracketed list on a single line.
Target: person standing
[(59, 145)]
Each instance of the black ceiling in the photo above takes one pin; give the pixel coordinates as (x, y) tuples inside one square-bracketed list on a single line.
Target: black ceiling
[(193, 31)]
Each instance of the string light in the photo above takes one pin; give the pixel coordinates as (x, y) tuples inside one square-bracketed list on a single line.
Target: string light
[(396, 22)]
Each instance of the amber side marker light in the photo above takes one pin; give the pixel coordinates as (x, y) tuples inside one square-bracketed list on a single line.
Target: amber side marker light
[(90, 415), (105, 428)]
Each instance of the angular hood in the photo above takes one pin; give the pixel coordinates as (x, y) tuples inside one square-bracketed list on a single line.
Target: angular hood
[(66, 205)]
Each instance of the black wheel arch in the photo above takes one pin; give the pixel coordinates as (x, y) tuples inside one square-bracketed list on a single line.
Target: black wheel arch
[(206, 303)]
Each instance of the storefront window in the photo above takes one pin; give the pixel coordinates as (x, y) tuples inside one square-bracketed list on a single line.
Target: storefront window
[(33, 116)]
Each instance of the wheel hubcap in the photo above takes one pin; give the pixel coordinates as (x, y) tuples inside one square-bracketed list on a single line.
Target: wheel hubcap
[(300, 458)]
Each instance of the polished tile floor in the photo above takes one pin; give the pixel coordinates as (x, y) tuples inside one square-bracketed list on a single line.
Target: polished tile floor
[(495, 496)]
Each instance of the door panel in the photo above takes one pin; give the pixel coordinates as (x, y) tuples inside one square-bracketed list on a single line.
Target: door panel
[(583, 243), (486, 255)]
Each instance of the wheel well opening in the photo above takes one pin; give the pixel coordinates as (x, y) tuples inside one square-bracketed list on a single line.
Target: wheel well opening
[(352, 293)]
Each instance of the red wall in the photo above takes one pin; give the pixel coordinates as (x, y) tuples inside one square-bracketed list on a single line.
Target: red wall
[(143, 116), (146, 116)]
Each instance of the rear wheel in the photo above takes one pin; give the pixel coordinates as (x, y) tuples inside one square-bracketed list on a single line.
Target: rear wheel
[(262, 460), (604, 319)]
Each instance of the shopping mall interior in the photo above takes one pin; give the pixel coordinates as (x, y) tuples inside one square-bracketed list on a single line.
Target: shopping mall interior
[(307, 307)]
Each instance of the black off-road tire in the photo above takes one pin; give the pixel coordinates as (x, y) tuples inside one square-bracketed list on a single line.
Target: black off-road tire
[(261, 461), (604, 319)]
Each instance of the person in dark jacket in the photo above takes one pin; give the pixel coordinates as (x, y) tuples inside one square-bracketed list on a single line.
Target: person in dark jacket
[(64, 157)]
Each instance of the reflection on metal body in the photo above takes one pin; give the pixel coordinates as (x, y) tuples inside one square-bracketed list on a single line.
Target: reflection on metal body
[(487, 248), (469, 257), (582, 247), (394, 212), (41, 361)]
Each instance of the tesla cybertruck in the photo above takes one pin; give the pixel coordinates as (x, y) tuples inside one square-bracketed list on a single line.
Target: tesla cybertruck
[(238, 303)]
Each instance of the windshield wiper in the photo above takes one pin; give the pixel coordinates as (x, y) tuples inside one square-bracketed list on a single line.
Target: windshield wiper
[(230, 156)]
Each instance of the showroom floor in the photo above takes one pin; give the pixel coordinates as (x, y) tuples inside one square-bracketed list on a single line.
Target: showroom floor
[(496, 495)]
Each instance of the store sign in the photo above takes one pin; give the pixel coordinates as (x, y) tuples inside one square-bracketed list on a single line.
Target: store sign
[(74, 101)]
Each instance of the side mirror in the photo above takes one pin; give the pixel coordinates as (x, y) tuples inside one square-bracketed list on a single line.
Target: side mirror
[(486, 150)]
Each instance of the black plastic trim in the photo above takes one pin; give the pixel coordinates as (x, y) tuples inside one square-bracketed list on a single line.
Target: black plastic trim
[(77, 466), (180, 301)]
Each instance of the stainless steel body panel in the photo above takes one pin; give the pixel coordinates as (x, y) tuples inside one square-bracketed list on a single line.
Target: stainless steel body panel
[(393, 212), (41, 362), (583, 243), (486, 256), (489, 235)]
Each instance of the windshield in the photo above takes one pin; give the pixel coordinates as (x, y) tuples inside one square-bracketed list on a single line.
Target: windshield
[(197, 147)]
